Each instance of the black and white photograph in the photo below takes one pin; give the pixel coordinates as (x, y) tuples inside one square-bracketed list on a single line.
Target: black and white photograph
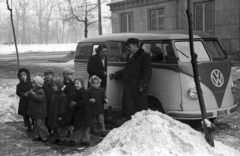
[(119, 77)]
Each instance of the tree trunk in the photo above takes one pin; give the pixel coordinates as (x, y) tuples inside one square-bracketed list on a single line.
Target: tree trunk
[(85, 29), (46, 34), (23, 33), (63, 29), (40, 36)]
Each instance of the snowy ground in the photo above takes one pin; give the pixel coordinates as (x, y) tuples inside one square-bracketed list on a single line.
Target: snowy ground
[(6, 49), (8, 101), (149, 133)]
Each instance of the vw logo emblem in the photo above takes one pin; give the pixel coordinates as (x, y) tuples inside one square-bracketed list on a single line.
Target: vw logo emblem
[(217, 78)]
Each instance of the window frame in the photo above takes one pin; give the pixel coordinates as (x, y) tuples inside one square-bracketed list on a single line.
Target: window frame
[(197, 2), (150, 19), (121, 23)]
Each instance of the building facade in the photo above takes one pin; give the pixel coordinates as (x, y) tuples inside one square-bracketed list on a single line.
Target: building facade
[(218, 17)]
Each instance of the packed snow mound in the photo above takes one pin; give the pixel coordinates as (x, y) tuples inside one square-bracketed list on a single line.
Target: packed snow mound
[(151, 133), (8, 101)]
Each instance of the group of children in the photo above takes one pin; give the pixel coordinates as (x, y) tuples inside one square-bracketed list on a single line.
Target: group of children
[(62, 111)]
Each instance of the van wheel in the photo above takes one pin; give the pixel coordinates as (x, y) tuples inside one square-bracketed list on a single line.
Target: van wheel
[(154, 104)]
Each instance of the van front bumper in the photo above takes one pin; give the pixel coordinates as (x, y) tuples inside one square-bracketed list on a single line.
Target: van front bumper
[(192, 115)]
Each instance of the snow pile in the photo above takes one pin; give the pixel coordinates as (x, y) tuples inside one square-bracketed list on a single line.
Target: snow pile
[(151, 133), (8, 101)]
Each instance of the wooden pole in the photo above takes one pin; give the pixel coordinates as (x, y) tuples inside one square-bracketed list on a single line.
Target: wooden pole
[(208, 127), (14, 35)]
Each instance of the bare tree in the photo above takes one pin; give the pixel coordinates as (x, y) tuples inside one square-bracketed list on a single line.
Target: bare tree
[(64, 17), (23, 9), (44, 10), (6, 31), (82, 12)]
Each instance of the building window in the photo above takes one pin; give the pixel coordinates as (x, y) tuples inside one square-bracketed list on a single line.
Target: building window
[(204, 16), (156, 19), (127, 22)]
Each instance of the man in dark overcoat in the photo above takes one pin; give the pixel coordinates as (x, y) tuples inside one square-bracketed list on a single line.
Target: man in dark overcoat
[(96, 64), (136, 76)]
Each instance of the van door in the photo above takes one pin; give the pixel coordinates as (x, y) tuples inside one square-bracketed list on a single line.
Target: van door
[(116, 58), (165, 83)]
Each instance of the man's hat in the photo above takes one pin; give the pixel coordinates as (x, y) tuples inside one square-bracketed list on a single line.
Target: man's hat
[(133, 41), (100, 48)]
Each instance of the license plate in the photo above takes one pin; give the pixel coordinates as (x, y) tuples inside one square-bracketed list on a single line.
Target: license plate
[(222, 112)]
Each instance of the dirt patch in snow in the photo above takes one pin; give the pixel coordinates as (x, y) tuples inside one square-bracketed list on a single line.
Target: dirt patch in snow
[(155, 134)]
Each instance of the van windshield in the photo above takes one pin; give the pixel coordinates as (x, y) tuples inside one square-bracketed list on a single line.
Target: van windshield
[(214, 50), (183, 51)]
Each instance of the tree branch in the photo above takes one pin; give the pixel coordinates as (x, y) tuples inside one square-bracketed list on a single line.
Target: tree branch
[(92, 8), (91, 22)]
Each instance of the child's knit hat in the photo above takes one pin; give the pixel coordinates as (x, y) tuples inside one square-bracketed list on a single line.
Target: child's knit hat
[(58, 82), (39, 81), (67, 71), (94, 77)]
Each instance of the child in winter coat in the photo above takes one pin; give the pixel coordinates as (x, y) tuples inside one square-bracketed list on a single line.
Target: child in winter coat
[(23, 88), (58, 115), (81, 116), (48, 90), (97, 100), (69, 90), (37, 110)]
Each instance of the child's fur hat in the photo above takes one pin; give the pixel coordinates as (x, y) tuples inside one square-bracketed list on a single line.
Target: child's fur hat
[(39, 81), (67, 71), (58, 82), (26, 71), (94, 77)]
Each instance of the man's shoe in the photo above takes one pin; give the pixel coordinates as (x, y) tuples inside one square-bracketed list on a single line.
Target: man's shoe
[(55, 141), (47, 138), (36, 139), (29, 129), (61, 143), (70, 143), (85, 143)]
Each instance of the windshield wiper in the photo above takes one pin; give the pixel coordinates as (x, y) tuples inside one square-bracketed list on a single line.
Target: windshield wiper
[(182, 53)]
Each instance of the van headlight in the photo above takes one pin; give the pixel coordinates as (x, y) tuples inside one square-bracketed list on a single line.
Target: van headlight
[(192, 93)]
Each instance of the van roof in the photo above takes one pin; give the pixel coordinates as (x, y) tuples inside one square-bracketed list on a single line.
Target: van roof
[(150, 35)]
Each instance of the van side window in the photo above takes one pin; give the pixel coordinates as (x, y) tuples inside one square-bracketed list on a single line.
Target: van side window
[(83, 51), (115, 54), (169, 53), (155, 50), (94, 49)]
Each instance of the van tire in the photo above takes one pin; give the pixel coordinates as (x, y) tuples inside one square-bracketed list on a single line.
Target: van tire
[(154, 104)]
